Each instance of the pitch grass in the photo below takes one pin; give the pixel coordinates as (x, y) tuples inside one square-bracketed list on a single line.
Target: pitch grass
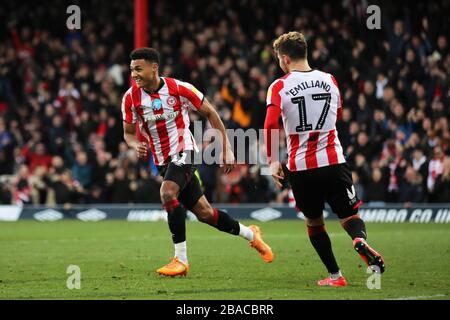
[(118, 260)]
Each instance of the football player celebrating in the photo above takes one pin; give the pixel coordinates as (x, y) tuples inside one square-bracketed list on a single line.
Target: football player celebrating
[(160, 105), (309, 102)]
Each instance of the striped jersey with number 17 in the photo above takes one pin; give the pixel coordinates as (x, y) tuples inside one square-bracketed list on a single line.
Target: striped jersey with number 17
[(310, 104), (163, 116)]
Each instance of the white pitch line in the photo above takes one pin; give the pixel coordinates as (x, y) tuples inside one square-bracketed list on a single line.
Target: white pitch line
[(420, 297)]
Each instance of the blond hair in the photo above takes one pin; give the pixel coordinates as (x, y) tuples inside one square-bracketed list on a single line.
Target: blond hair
[(292, 44)]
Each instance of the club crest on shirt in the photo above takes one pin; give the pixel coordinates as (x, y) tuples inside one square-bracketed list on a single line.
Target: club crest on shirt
[(156, 104), (171, 101)]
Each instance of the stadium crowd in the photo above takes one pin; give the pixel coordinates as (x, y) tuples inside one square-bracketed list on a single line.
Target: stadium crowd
[(60, 94)]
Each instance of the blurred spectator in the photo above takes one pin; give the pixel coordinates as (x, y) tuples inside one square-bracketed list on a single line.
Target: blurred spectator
[(362, 146), (67, 191), (255, 187), (376, 188), (442, 184), (22, 188), (58, 166), (101, 168), (40, 185), (359, 188), (97, 195), (411, 190), (5, 194), (361, 167), (420, 165), (5, 137), (6, 167), (146, 188), (36, 155), (82, 170), (119, 186), (57, 135), (435, 169)]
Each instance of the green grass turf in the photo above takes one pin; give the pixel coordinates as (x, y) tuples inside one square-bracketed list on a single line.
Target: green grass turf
[(118, 260)]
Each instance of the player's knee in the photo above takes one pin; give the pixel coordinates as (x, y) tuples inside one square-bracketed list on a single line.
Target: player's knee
[(205, 214), (347, 219), (315, 222), (167, 195)]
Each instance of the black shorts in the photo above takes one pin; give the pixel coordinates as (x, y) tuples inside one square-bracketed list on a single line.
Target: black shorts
[(182, 171), (311, 188)]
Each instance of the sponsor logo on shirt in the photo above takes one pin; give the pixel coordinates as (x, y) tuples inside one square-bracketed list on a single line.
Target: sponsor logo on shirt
[(164, 116), (156, 104)]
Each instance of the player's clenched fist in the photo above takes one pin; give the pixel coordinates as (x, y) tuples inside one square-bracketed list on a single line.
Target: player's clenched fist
[(228, 161), (277, 173), (142, 150)]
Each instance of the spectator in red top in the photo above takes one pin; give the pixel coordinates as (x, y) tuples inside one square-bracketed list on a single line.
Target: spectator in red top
[(37, 156), (25, 42)]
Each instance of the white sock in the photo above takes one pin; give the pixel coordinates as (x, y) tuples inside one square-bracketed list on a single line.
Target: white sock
[(245, 232), (336, 275), (180, 251)]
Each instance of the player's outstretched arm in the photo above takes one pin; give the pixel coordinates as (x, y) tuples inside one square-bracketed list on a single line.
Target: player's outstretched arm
[(129, 135), (209, 112)]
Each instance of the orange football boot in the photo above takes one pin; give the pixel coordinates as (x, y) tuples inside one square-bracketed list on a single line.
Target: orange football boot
[(258, 243), (174, 268), (340, 282)]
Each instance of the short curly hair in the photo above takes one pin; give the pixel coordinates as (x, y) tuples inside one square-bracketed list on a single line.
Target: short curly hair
[(292, 44), (149, 54)]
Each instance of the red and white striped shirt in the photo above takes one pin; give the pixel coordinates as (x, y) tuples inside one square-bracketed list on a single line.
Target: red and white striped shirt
[(309, 103), (163, 116)]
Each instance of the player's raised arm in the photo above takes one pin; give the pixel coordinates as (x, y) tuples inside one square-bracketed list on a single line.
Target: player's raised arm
[(209, 112)]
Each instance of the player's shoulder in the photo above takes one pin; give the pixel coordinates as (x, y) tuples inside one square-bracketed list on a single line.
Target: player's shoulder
[(186, 89), (328, 76), (169, 79), (283, 78), (171, 83), (132, 90), (279, 81), (323, 74), (178, 82), (128, 96)]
